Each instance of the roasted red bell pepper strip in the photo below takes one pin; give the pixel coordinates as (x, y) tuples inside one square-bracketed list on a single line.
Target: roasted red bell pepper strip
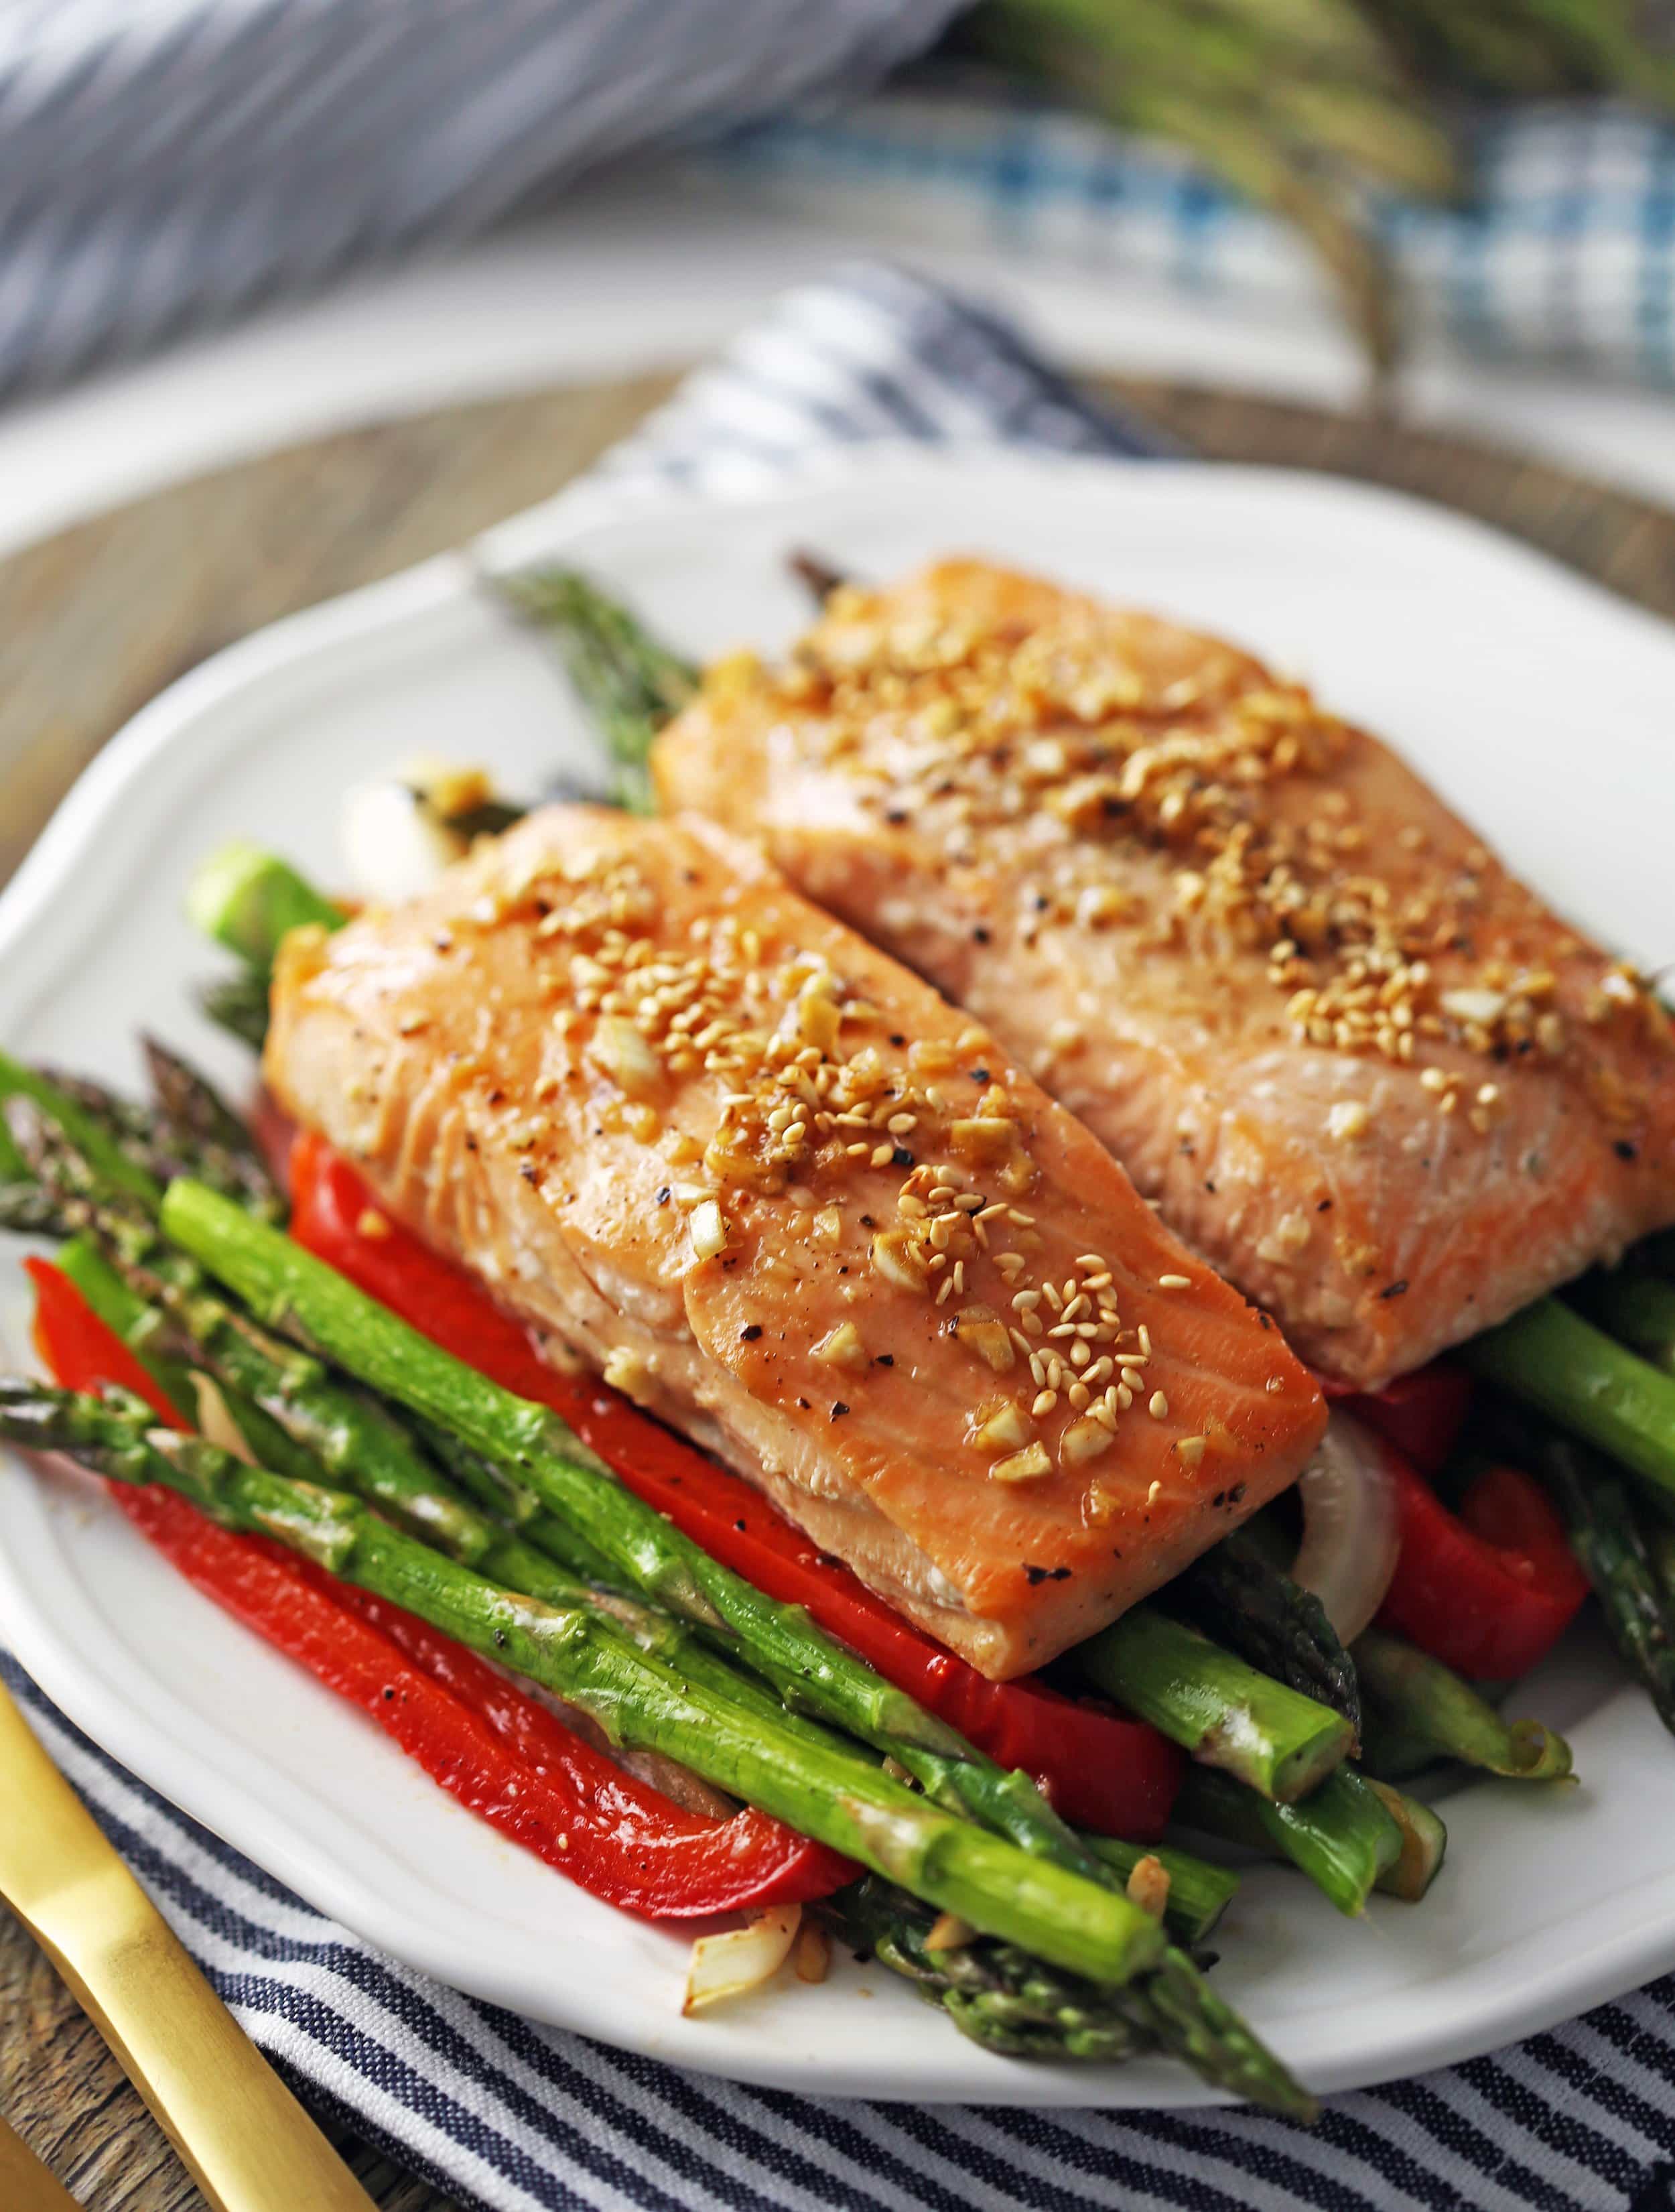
[(1106, 1773), (1488, 1591), (1421, 1414), (499, 1751), (80, 1353)]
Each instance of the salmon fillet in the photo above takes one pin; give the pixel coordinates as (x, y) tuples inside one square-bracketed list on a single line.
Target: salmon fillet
[(1360, 1069), (774, 1188)]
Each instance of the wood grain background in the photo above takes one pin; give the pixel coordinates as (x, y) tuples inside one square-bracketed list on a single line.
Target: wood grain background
[(94, 621)]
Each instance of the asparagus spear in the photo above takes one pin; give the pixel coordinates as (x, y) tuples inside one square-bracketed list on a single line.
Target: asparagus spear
[(278, 1396), (247, 900), (84, 1130), (1012, 2003), (202, 1134), (1607, 1536), (298, 1294), (1343, 1837), (1267, 1736), (1234, 1592), (1641, 1310), (838, 1800), (629, 683), (1417, 1704), (1554, 1360), (26, 1209), (239, 1004), (524, 1554)]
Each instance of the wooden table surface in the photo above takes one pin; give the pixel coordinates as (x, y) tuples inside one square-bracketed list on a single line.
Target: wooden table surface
[(94, 621)]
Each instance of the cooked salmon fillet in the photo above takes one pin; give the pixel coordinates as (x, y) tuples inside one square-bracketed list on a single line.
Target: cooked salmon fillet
[(1359, 1068), (775, 1188)]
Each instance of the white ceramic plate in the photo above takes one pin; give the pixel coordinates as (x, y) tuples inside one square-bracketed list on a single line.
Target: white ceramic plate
[(1539, 705)]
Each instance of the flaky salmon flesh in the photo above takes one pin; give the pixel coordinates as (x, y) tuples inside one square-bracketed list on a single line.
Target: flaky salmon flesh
[(708, 1141), (1360, 1069)]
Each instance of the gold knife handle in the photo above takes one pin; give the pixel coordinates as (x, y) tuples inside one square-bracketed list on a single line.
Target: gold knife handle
[(25, 2185), (247, 2143)]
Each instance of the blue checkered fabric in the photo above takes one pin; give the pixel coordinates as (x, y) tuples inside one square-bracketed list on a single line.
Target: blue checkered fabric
[(1562, 251)]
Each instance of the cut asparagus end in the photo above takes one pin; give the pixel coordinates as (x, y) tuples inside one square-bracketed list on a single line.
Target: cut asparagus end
[(247, 900), (1423, 1704), (1215, 1705), (1342, 1837), (1424, 1840)]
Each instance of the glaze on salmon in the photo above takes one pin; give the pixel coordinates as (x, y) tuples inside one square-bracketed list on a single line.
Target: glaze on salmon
[(1364, 1072), (783, 1194)]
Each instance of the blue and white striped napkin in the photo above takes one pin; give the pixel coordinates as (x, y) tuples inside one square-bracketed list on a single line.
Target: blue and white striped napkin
[(507, 2114)]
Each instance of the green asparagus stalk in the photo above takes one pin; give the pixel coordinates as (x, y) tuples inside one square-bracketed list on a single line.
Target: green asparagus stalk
[(204, 1137), (1415, 1701), (1199, 1891), (248, 900), (14, 1168), (295, 1292), (1235, 1594), (1014, 2005), (629, 683), (140, 1327), (1609, 1539), (1342, 1837), (1552, 1359), (27, 1210), (26, 1085), (1640, 1308), (524, 1554), (239, 1004), (1217, 1706), (839, 1800)]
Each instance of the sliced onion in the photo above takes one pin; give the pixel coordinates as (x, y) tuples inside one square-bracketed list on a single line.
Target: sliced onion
[(394, 833), (216, 1423), (1350, 1537), (740, 1959)]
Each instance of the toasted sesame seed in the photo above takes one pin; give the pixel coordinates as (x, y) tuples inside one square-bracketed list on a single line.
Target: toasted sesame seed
[(1158, 1407), (1175, 1282)]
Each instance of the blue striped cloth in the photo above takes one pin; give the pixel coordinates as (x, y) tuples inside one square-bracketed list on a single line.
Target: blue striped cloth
[(507, 2114), (167, 165)]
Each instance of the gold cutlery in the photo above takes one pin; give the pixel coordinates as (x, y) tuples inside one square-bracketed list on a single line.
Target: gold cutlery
[(25, 2185), (247, 2143)]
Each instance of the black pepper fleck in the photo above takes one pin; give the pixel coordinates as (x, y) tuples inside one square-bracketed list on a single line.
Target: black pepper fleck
[(902, 1158), (750, 1331), (1624, 1150), (839, 1409), (1394, 1290)]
